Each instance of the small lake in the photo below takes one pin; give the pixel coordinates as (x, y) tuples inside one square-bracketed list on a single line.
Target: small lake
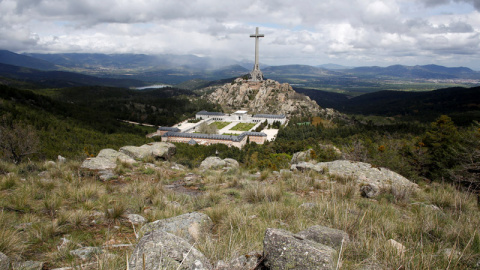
[(151, 86)]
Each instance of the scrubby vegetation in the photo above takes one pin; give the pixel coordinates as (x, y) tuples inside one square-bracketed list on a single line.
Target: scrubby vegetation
[(43, 204)]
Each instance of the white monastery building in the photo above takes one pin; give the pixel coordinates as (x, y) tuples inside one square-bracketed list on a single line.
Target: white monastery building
[(186, 134), (242, 116)]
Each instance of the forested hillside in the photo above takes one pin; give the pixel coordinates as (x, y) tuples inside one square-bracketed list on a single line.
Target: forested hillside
[(76, 121), (47, 79), (462, 104)]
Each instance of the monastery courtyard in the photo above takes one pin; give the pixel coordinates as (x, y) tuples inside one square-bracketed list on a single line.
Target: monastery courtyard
[(234, 129), (271, 132)]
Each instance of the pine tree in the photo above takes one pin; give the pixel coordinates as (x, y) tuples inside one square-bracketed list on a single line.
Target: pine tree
[(443, 143)]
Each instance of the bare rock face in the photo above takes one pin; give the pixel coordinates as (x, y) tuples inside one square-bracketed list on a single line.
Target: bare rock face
[(114, 155), (325, 235), (136, 219), (305, 156), (212, 163), (189, 226), (284, 250), (369, 190), (247, 261), (86, 253), (163, 150), (157, 150), (266, 96), (363, 173), (218, 163), (162, 250), (4, 262), (232, 163), (28, 265), (106, 160)]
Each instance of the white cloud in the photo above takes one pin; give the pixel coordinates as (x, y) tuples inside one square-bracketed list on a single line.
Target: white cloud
[(306, 32)]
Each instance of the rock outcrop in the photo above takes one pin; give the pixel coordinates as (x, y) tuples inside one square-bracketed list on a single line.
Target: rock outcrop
[(106, 160), (305, 156), (4, 262), (218, 163), (162, 250), (369, 190), (362, 173), (189, 226), (324, 235), (28, 265), (85, 253), (248, 261), (266, 96), (136, 219), (156, 150), (169, 244), (285, 250)]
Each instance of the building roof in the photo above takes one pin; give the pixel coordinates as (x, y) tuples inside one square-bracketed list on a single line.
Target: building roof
[(274, 116), (259, 134), (240, 112), (174, 129), (203, 136), (232, 138), (210, 113), (192, 142)]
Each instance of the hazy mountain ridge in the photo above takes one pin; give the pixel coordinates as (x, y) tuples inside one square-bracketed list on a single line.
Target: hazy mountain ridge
[(418, 72), (61, 78), (10, 58), (296, 69), (215, 68), (142, 61)]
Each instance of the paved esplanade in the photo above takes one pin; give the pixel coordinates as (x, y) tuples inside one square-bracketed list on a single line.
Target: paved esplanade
[(256, 73)]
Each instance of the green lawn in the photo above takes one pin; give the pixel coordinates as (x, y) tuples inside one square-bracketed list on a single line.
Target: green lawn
[(220, 125), (243, 126)]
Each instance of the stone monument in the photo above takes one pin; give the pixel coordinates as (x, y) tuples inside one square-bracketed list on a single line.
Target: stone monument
[(256, 75)]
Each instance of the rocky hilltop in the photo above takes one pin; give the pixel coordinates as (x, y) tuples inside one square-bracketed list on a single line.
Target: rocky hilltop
[(267, 96)]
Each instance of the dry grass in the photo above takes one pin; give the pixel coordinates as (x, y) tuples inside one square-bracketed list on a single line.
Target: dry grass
[(36, 212)]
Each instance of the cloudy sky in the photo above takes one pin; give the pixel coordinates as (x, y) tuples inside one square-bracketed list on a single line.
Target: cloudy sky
[(313, 32)]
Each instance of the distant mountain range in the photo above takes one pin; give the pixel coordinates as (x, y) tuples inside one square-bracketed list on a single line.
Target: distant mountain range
[(10, 58), (59, 79), (418, 72), (334, 66), (134, 61), (176, 69)]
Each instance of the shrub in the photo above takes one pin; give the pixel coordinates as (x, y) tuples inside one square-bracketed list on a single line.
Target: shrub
[(17, 140)]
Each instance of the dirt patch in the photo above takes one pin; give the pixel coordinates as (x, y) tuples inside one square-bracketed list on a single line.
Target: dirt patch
[(181, 186)]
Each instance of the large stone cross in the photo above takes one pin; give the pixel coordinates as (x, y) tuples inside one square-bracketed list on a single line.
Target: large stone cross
[(256, 36), (256, 74)]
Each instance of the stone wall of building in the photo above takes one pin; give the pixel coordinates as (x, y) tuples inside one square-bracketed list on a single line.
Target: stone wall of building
[(205, 141), (242, 117)]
